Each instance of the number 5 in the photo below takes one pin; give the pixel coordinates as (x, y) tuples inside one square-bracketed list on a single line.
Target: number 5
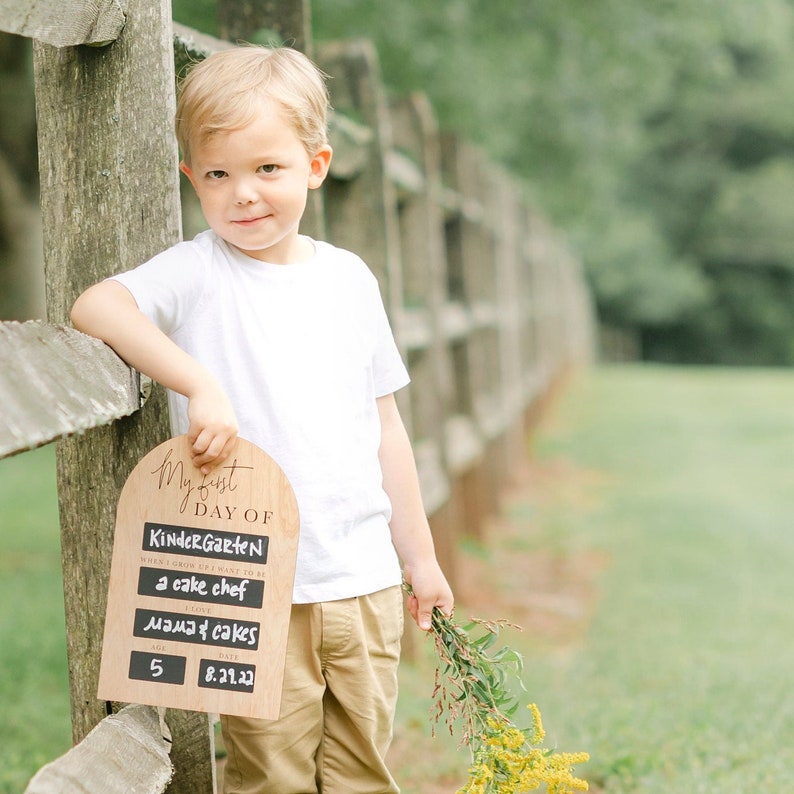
[(156, 668)]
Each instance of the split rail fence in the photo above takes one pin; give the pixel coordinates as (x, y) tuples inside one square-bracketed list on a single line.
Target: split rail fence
[(489, 309)]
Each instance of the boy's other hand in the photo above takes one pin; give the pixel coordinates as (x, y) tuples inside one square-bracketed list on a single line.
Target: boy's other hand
[(430, 590), (213, 428)]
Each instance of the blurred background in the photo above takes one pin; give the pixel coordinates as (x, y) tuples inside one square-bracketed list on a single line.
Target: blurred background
[(657, 136)]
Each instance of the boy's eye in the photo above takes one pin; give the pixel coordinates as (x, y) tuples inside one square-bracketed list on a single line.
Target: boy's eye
[(216, 174), (268, 168)]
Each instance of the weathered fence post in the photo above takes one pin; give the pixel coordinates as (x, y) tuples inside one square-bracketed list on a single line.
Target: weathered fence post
[(467, 281), (415, 167), (110, 200), (361, 211), (510, 226), (289, 19)]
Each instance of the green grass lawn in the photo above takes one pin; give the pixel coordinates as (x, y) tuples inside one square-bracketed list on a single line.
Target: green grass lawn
[(683, 683), (679, 681), (34, 689)]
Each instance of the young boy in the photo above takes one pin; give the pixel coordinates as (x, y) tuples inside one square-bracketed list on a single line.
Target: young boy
[(256, 329)]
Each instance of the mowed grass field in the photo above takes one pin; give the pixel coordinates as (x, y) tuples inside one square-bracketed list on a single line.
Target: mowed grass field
[(683, 682), (647, 549)]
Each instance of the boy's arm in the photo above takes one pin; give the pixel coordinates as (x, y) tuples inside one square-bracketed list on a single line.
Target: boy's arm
[(108, 311), (410, 530)]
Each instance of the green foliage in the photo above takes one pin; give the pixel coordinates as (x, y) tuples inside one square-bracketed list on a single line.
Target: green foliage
[(645, 289), (198, 14), (639, 125), (749, 223), (750, 321)]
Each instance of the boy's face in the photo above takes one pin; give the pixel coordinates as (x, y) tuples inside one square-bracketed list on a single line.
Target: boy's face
[(253, 183)]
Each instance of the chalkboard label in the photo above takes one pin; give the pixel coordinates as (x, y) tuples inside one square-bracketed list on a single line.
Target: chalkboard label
[(205, 543), (151, 624), (226, 675), (200, 588), (208, 588), (158, 667)]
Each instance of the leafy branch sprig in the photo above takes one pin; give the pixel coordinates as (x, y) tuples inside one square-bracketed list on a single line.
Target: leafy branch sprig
[(472, 690), (470, 685)]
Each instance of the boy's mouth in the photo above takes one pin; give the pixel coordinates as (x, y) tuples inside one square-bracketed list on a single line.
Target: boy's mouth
[(249, 221)]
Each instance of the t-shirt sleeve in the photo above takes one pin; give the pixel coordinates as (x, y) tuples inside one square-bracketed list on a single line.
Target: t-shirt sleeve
[(169, 286), (389, 370)]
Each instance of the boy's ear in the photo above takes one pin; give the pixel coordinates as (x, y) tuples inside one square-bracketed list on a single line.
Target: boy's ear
[(185, 169), (319, 165)]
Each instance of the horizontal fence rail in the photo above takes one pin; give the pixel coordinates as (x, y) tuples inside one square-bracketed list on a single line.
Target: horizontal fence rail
[(55, 381), (64, 22), (125, 753)]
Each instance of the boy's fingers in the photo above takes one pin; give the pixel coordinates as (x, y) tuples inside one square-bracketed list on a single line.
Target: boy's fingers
[(199, 439), (421, 618), (211, 450), (226, 450), (446, 608), (424, 614)]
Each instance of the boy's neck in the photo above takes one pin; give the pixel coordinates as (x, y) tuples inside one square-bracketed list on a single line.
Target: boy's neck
[(300, 250)]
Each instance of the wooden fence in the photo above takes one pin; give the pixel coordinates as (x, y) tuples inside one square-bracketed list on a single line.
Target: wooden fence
[(488, 306)]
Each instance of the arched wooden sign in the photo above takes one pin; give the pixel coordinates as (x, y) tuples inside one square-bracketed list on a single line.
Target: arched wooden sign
[(201, 584)]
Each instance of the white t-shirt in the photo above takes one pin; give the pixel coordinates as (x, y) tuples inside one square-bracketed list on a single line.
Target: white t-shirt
[(303, 351)]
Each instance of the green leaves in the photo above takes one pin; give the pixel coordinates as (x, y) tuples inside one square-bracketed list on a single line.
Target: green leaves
[(639, 127)]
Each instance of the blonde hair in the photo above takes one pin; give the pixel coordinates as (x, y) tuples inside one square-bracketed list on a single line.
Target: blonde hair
[(225, 92)]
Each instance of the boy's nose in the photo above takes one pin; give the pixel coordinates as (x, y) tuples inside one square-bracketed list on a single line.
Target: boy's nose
[(244, 193)]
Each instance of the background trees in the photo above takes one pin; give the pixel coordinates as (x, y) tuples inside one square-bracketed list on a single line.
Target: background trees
[(658, 135)]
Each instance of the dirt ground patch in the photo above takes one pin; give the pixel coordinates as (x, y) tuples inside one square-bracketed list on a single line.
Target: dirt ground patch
[(524, 573)]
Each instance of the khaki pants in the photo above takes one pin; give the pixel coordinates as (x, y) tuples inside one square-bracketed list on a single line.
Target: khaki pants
[(337, 707)]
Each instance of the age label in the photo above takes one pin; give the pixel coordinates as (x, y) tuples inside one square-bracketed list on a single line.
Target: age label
[(201, 584)]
